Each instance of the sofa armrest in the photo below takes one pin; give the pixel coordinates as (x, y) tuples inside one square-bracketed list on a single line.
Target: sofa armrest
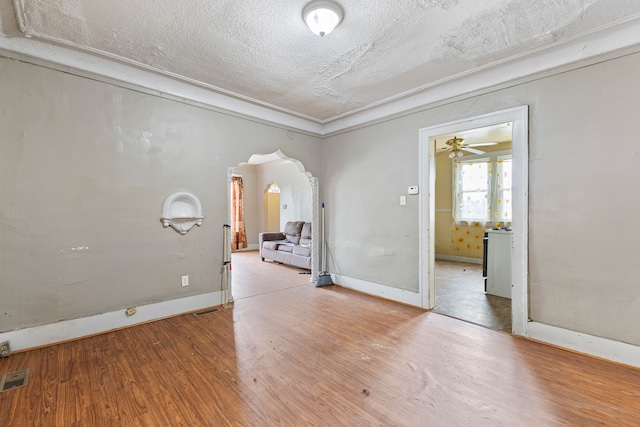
[(268, 236)]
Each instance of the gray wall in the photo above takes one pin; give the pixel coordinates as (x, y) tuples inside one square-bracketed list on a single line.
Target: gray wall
[(583, 157), (369, 235), (84, 171), (86, 166)]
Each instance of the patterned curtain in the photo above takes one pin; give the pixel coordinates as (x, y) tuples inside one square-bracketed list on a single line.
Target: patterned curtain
[(502, 193), (238, 233)]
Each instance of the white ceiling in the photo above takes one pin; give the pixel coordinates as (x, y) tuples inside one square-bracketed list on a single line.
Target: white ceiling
[(261, 51)]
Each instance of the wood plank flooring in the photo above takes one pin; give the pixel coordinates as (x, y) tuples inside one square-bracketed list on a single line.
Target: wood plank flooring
[(251, 276), (460, 294), (306, 356)]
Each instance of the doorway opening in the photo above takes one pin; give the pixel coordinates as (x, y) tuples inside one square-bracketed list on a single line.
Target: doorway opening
[(277, 189), (464, 239), (272, 207), (473, 189)]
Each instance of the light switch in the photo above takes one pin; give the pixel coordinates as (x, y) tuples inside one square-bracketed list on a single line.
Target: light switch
[(403, 200)]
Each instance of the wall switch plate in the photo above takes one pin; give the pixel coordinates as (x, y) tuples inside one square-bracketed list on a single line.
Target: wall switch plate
[(185, 280), (130, 311), (413, 189), (403, 200)]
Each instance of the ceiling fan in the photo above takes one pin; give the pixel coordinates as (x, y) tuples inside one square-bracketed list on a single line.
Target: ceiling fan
[(456, 146)]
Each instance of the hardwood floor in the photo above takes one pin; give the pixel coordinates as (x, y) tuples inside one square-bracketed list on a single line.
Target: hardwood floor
[(250, 276), (306, 356), (460, 294)]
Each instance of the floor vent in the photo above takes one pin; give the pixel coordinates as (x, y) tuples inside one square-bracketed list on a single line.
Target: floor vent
[(14, 380), (202, 313)]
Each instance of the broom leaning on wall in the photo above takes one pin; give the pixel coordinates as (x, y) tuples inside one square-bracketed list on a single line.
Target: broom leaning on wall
[(324, 278)]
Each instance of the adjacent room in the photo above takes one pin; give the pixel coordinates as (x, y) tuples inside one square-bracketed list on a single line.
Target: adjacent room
[(319, 213), (275, 191), (472, 218)]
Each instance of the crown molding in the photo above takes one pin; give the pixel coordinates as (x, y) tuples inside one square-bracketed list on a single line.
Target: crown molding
[(114, 71), (597, 46)]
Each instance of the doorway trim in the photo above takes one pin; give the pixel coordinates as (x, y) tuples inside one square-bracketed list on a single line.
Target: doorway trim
[(519, 117)]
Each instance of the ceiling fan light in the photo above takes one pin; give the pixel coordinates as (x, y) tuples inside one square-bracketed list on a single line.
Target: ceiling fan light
[(452, 155), (322, 17), (460, 154)]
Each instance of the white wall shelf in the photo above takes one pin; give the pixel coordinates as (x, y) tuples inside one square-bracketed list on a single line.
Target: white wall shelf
[(182, 211)]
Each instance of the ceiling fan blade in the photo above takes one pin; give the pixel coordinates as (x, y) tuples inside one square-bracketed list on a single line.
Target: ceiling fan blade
[(472, 150), (482, 144)]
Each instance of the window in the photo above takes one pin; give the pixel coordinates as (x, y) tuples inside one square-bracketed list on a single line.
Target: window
[(273, 188), (482, 190)]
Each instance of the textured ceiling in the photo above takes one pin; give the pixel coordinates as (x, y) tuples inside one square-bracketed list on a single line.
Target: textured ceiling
[(262, 51)]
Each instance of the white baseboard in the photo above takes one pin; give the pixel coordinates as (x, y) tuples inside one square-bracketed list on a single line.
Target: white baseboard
[(376, 289), (52, 333), (458, 258), (250, 247), (66, 330), (603, 348)]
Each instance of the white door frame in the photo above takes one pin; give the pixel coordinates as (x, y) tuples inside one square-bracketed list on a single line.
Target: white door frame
[(519, 117)]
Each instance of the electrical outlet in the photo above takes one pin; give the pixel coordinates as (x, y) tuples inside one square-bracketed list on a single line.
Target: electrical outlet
[(130, 311), (185, 280), (5, 350)]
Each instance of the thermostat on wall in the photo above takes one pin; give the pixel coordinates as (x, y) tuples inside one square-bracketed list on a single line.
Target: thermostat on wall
[(413, 189)]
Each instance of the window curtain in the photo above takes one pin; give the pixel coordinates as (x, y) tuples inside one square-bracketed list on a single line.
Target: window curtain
[(238, 233), (482, 192), (501, 211), (471, 189)]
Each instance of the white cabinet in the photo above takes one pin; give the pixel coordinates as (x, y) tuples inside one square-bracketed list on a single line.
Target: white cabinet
[(499, 263)]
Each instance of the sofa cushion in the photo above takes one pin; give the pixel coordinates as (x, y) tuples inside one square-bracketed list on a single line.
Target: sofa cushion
[(286, 247), (305, 235), (272, 244), (301, 250), (292, 231)]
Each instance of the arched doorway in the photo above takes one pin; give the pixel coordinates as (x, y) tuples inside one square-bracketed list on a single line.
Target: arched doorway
[(297, 200)]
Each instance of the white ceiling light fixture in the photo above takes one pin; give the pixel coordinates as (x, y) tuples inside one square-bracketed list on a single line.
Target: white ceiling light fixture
[(322, 17)]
